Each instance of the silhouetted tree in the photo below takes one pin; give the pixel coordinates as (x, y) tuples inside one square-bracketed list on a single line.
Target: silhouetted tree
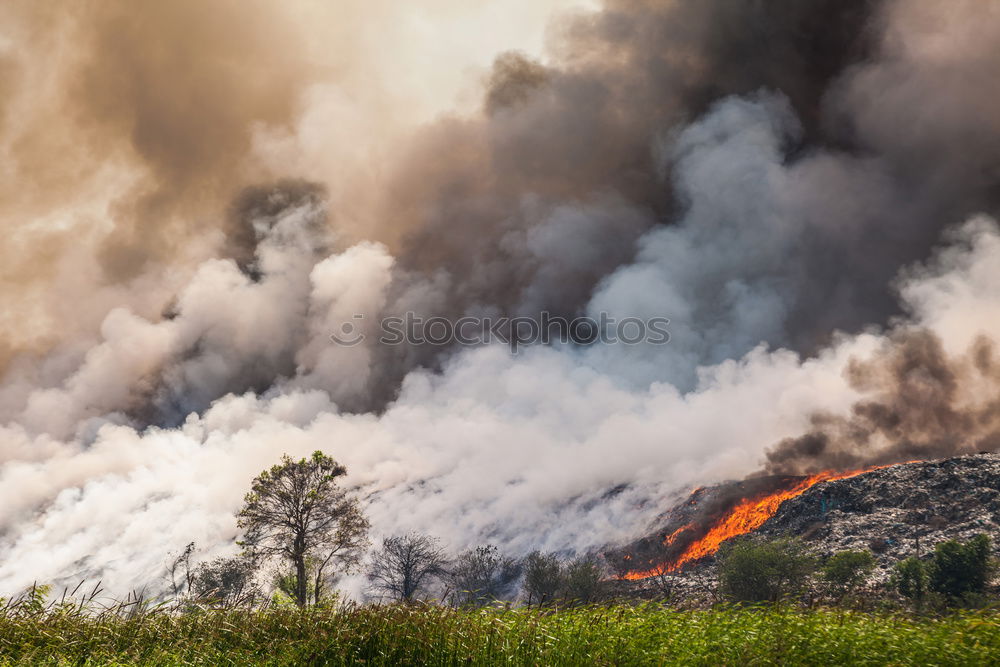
[(403, 567), (296, 511), (543, 578), (180, 571), (482, 575)]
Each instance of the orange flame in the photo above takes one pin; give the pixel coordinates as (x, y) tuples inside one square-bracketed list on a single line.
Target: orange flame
[(672, 537), (747, 516)]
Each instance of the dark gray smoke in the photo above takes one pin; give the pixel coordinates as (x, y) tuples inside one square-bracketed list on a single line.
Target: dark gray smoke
[(531, 206), (566, 150), (917, 406)]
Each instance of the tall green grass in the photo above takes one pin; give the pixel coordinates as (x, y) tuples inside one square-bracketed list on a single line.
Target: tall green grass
[(430, 635)]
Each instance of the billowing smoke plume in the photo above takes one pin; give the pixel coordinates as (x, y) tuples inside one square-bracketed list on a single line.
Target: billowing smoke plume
[(775, 179), (126, 129), (920, 407), (927, 392)]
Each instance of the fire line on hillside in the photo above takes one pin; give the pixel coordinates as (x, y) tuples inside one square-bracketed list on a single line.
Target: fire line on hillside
[(746, 516)]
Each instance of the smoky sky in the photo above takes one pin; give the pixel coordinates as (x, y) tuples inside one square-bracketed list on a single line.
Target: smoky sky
[(532, 203), (579, 133)]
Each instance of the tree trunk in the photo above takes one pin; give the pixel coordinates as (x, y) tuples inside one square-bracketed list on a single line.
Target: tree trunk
[(407, 585), (318, 586), (300, 580)]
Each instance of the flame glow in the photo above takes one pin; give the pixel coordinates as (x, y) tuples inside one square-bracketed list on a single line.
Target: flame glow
[(747, 516), (672, 537)]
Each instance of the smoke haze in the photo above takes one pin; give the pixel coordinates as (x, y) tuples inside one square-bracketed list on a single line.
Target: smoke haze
[(195, 197)]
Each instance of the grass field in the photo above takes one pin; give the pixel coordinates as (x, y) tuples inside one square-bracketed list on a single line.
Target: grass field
[(618, 635)]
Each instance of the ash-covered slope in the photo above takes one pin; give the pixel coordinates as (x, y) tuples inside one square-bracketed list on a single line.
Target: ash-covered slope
[(898, 511), (894, 512)]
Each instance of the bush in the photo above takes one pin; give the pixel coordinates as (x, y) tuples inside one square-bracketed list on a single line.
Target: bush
[(224, 581), (910, 579), (548, 580), (960, 570), (751, 571), (583, 581), (846, 570)]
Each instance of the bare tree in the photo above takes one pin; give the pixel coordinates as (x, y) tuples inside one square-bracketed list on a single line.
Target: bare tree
[(180, 566), (404, 565), (543, 578), (296, 511), (665, 582), (482, 575)]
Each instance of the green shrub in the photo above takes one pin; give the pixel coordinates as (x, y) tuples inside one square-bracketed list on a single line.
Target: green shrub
[(846, 570), (961, 569), (751, 571), (583, 581), (910, 579)]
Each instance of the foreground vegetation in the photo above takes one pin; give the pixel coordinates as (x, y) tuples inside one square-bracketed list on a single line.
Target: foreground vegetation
[(274, 603), (434, 635)]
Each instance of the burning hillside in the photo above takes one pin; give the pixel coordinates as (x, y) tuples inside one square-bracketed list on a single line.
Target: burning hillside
[(887, 509)]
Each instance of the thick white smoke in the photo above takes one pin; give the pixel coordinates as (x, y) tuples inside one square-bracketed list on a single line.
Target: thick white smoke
[(520, 450)]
